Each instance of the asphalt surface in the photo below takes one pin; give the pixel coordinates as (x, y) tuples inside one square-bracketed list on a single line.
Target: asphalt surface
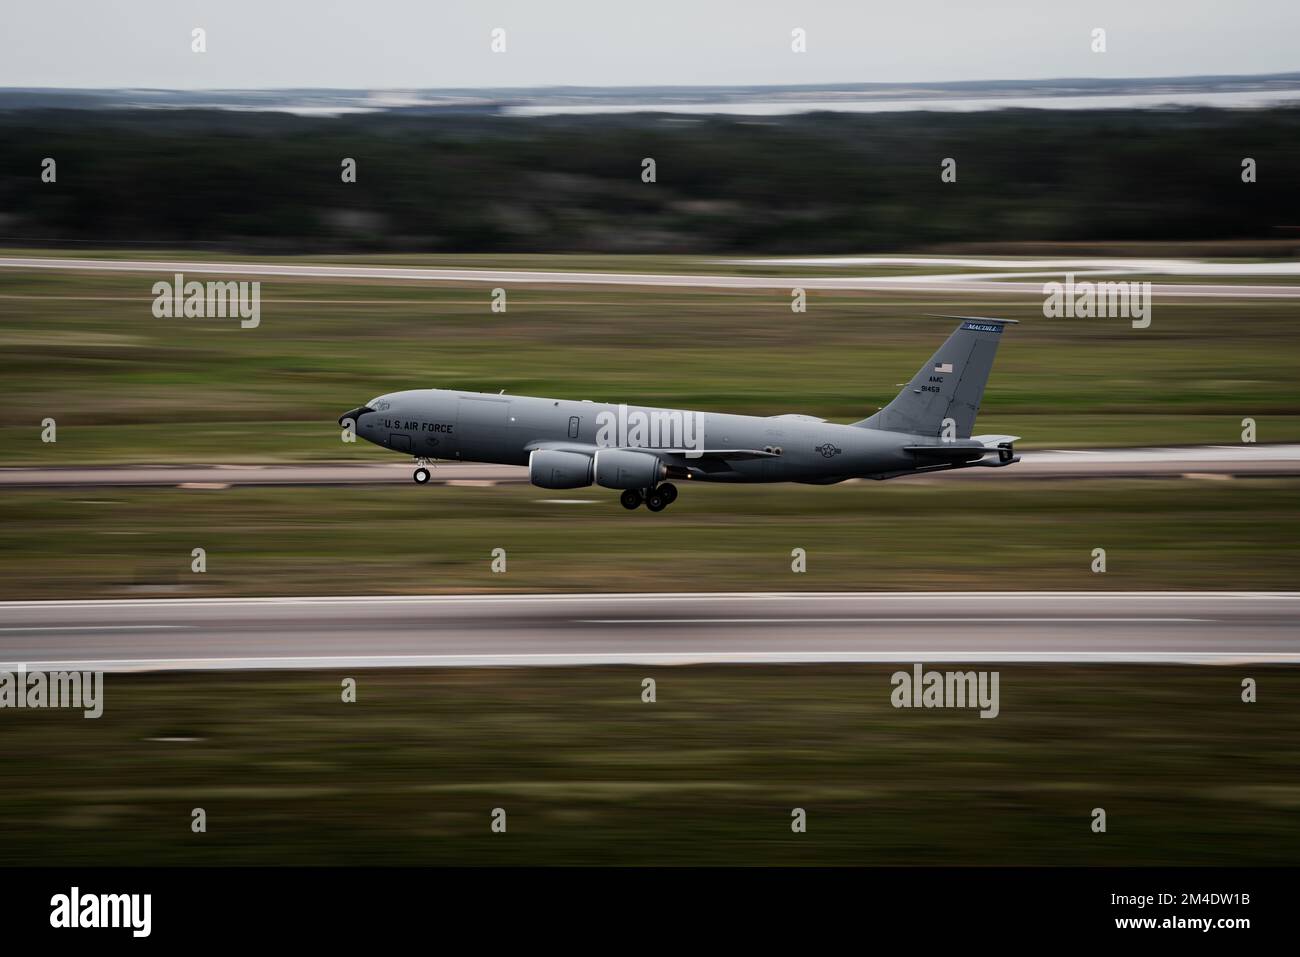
[(652, 629), (959, 283), (1217, 461)]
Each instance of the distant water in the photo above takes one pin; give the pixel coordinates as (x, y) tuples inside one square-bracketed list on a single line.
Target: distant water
[(1234, 99)]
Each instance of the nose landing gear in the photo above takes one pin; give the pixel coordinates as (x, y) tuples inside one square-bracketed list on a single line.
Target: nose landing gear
[(422, 474)]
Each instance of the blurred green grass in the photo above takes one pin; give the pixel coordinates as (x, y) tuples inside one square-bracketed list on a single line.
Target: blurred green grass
[(588, 774), (936, 534), (126, 387)]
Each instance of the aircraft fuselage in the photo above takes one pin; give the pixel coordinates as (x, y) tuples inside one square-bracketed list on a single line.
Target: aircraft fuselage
[(639, 449), (506, 429)]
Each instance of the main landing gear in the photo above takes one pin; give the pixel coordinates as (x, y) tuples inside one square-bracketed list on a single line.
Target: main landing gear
[(656, 499), (422, 474)]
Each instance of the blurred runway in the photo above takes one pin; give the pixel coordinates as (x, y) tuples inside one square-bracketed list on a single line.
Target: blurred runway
[(652, 629), (963, 282), (1214, 460)]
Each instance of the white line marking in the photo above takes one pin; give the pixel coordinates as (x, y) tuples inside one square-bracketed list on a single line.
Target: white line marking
[(517, 598), (986, 283), (668, 657), (886, 621), (94, 627)]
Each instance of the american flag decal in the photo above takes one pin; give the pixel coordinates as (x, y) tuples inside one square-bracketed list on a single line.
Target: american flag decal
[(943, 367)]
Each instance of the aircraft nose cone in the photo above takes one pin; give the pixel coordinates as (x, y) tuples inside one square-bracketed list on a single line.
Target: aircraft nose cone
[(355, 415)]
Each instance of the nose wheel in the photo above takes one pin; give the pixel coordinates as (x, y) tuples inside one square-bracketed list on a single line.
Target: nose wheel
[(422, 474)]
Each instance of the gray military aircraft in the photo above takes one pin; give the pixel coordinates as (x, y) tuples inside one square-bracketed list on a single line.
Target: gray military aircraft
[(638, 449)]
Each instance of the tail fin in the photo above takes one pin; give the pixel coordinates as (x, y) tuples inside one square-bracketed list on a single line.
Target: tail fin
[(949, 386)]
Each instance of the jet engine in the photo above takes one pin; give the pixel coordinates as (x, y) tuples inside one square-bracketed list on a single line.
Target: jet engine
[(620, 468), (551, 468)]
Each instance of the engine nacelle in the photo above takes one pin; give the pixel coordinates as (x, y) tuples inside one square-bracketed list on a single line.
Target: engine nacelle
[(620, 468), (551, 468)]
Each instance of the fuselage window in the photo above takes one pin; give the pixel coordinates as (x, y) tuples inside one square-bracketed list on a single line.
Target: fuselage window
[(573, 426)]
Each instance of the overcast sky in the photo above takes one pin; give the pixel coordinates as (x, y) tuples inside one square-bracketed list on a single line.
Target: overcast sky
[(445, 43)]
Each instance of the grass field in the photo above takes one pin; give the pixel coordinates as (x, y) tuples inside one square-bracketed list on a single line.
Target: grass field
[(288, 774), (124, 386), (708, 774), (861, 536)]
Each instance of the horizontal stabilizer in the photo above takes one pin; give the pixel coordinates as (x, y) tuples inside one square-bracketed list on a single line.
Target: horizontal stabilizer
[(949, 451)]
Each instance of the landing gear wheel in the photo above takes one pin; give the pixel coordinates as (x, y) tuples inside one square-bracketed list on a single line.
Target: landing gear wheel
[(670, 490), (421, 476), (631, 499), (656, 500)]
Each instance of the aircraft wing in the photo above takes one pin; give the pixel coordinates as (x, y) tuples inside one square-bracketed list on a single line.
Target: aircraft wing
[(713, 453), (717, 454)]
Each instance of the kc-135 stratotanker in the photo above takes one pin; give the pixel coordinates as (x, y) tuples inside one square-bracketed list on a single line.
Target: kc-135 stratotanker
[(638, 449)]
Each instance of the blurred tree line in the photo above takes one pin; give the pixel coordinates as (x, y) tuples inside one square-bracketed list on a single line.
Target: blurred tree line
[(821, 182)]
